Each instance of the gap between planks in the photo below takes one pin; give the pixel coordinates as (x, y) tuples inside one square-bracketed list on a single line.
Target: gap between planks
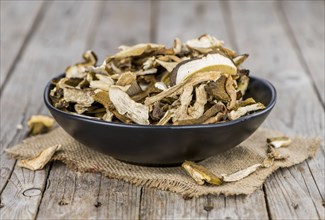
[(38, 19)]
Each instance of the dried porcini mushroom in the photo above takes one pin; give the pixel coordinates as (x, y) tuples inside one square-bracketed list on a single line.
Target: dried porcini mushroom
[(40, 124), (39, 161), (211, 62), (277, 142), (79, 70), (126, 106), (200, 174), (199, 81), (241, 174)]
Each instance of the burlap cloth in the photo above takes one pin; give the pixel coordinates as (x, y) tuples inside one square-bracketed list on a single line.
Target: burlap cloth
[(80, 158)]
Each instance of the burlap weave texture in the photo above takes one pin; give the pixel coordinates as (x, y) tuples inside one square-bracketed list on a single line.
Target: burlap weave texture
[(80, 158)]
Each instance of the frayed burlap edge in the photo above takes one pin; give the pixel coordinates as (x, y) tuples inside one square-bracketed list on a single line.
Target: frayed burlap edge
[(182, 187)]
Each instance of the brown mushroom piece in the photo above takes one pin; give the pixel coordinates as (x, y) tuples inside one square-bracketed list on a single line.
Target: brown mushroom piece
[(211, 62), (238, 60), (40, 124), (201, 174), (79, 70), (278, 142), (217, 89)]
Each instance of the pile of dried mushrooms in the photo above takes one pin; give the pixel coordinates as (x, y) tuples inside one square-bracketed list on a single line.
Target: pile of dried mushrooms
[(196, 82)]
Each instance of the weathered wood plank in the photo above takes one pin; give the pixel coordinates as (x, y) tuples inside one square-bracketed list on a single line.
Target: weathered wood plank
[(45, 56), (95, 196), (305, 25), (156, 204), (14, 37), (194, 19), (298, 109), (72, 195)]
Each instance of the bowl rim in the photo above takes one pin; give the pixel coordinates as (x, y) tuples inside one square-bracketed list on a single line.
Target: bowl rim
[(194, 126)]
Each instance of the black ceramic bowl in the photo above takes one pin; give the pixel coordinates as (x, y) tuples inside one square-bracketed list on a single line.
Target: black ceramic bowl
[(165, 145)]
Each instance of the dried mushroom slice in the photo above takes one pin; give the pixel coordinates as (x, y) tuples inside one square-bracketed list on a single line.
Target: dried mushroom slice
[(234, 114), (102, 98), (108, 116), (241, 174), (83, 97), (201, 174), (163, 79), (126, 78), (126, 106), (211, 62), (39, 161), (217, 89), (79, 70), (278, 142), (218, 107), (197, 78), (201, 99), (242, 84), (214, 119), (169, 66), (230, 89), (204, 43), (137, 50), (238, 60), (185, 99), (166, 118), (40, 124)]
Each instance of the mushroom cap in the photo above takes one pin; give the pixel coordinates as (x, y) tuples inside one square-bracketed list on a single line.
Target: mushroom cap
[(211, 62)]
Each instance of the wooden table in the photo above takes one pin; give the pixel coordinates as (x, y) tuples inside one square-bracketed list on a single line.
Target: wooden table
[(39, 39)]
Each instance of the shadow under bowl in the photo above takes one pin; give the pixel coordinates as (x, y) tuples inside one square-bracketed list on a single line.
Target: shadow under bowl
[(152, 145)]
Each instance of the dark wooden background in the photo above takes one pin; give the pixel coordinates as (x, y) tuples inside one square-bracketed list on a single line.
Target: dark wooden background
[(285, 40)]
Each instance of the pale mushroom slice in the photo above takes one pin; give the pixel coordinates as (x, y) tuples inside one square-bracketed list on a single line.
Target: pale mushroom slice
[(137, 50), (211, 62), (169, 66), (204, 43), (126, 106), (177, 46), (40, 124), (235, 114), (242, 84), (241, 174), (278, 142), (126, 78), (216, 108), (238, 60), (195, 79), (166, 118), (230, 89), (103, 82), (79, 70), (74, 95), (201, 99), (39, 161), (185, 99), (201, 174)]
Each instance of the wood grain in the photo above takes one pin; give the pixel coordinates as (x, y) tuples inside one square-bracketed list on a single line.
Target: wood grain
[(45, 56), (298, 109), (305, 26), (15, 37), (95, 196), (201, 17), (275, 43), (72, 195)]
